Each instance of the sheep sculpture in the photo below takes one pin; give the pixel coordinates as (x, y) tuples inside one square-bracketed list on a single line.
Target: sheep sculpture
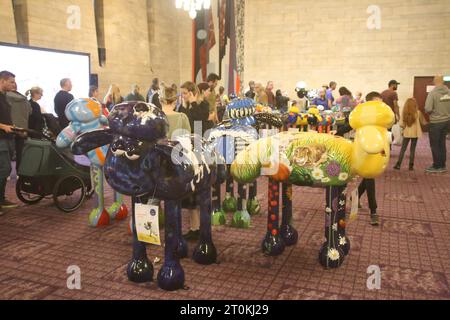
[(320, 161), (142, 163), (231, 137), (86, 115)]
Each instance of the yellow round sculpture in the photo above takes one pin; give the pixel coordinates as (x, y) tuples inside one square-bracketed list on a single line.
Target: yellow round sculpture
[(371, 149)]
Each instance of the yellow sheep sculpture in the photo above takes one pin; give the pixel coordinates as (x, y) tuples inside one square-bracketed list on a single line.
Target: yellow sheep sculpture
[(317, 160)]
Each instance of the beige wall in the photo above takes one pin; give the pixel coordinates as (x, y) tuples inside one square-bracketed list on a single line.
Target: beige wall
[(286, 41), (171, 43), (132, 56), (8, 28), (317, 41)]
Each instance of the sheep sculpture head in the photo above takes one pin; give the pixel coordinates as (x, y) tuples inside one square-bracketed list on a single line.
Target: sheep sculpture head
[(371, 149)]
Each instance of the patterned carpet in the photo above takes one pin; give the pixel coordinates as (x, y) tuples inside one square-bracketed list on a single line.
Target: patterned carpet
[(411, 246)]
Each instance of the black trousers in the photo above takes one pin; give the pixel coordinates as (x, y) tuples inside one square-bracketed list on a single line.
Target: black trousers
[(412, 152), (368, 185), (438, 133)]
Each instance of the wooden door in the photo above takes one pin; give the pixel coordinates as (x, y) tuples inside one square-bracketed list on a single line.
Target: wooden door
[(420, 92)]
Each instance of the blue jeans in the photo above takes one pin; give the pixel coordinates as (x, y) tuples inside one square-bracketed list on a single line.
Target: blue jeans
[(438, 133)]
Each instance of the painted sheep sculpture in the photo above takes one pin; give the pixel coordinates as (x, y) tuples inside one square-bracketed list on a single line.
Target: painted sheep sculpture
[(86, 115), (143, 164), (230, 138), (322, 161)]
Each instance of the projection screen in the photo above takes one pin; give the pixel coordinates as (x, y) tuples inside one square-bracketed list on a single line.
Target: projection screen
[(45, 68)]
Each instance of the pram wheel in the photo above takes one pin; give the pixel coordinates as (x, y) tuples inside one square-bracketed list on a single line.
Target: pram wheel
[(69, 193), (26, 197)]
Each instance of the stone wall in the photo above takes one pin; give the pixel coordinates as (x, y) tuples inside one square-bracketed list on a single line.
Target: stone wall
[(286, 41), (144, 38), (8, 29), (317, 41)]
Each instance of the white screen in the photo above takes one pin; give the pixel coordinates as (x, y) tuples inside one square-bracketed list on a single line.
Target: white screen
[(45, 69)]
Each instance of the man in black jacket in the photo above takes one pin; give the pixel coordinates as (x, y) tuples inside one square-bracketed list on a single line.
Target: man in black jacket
[(7, 82), (62, 99)]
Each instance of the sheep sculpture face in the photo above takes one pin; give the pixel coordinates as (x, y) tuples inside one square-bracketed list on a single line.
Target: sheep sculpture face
[(321, 160), (139, 160)]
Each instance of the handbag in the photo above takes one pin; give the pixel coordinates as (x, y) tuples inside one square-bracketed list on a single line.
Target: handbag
[(397, 134)]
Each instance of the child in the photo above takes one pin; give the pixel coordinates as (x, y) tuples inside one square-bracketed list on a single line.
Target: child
[(410, 121)]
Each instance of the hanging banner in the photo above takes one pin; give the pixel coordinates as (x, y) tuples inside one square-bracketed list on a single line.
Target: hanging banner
[(207, 58), (204, 39)]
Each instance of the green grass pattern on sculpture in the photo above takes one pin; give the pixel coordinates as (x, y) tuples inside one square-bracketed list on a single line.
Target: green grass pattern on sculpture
[(253, 207), (229, 204), (241, 220), (338, 155), (218, 218)]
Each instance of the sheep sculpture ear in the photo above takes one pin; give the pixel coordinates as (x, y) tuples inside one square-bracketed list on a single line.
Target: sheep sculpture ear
[(91, 140)]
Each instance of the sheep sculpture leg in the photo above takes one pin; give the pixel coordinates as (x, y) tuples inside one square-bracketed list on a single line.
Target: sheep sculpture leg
[(344, 242), (118, 211), (218, 217), (273, 244), (253, 206), (98, 217), (337, 246), (182, 247), (241, 218), (288, 232), (205, 253), (171, 275), (230, 202), (139, 269)]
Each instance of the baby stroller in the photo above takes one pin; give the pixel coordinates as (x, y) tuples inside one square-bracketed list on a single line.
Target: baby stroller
[(47, 171)]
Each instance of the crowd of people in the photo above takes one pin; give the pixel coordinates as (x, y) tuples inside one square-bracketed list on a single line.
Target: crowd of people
[(204, 104)]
